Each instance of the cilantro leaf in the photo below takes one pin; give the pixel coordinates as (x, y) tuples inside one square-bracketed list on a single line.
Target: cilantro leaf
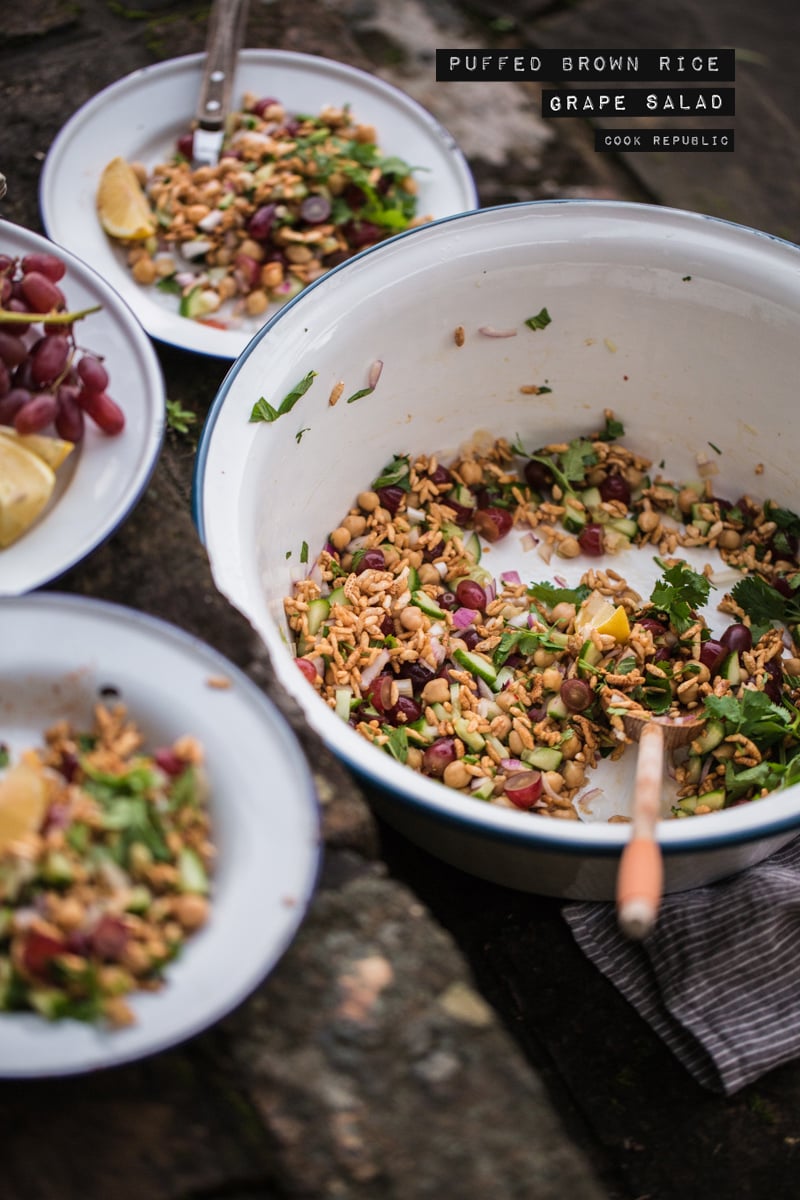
[(540, 321), (613, 429), (678, 593), (762, 603), (551, 595), (755, 716), (579, 455)]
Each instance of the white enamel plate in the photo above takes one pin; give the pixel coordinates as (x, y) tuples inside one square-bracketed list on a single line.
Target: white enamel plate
[(104, 477), (140, 118), (59, 653)]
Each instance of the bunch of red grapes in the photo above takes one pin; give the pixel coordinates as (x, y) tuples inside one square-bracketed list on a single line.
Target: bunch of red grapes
[(46, 379)]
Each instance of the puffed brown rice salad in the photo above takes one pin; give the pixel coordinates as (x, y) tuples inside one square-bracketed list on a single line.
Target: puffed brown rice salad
[(512, 692), (105, 861)]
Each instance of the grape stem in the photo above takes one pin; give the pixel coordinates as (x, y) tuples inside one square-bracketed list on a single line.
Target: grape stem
[(52, 318)]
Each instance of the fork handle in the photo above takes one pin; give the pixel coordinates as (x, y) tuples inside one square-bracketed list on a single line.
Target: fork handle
[(226, 24), (640, 876)]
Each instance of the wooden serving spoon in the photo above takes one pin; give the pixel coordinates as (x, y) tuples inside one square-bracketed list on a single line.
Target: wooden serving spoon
[(640, 877)]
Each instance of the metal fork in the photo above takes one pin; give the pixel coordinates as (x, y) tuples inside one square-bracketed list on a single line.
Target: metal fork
[(226, 26)]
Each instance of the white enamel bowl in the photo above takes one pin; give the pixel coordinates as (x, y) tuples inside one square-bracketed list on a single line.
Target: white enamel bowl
[(141, 116), (686, 326)]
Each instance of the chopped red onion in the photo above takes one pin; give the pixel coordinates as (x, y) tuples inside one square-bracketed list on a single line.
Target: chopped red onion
[(374, 669), (513, 764), (485, 691), (528, 541), (490, 331), (374, 373), (510, 577), (463, 617)]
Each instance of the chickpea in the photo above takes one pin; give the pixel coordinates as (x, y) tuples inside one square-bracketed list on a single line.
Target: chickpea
[(470, 472), (144, 271), (429, 574), (563, 612), (648, 520), (570, 746), (272, 275), (68, 912), (729, 539), (256, 302), (298, 253), (252, 249), (543, 658), (551, 679), (355, 523), (436, 691), (568, 547), (574, 774), (515, 743), (501, 726), (456, 775), (414, 758), (411, 618), (791, 666), (191, 910), (368, 501), (341, 537), (555, 780)]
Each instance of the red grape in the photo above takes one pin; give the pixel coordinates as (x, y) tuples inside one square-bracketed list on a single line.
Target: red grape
[(371, 560), (13, 350), (737, 637), (37, 414), (576, 694), (104, 411), (48, 359), (92, 374), (45, 264), (470, 594), (590, 540), (5, 379), (524, 788), (616, 487), (260, 223), (493, 523), (438, 755), (41, 293), (307, 668), (11, 403), (713, 654), (69, 417)]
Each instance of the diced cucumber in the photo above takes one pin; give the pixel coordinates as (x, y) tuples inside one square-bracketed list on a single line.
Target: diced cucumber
[(455, 692), (624, 525), (713, 800), (702, 511), (343, 696), (558, 637), (588, 658), (504, 676), (192, 875), (556, 708), (693, 768), (702, 527), (687, 805), (485, 791), (48, 1002), (543, 758), (731, 669), (591, 497), (709, 738), (318, 611), (337, 596), (57, 868), (463, 496), (413, 579), (476, 664), (472, 546), (198, 302), (573, 520), (471, 738), (440, 712), (426, 604), (139, 899)]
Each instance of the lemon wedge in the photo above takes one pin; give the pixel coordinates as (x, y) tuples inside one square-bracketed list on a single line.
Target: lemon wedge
[(52, 450), (121, 203), (597, 612), (23, 803), (26, 485)]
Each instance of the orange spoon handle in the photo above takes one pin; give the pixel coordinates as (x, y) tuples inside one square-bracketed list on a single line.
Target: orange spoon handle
[(640, 877)]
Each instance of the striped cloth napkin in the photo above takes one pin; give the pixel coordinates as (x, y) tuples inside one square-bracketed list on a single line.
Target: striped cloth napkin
[(719, 977)]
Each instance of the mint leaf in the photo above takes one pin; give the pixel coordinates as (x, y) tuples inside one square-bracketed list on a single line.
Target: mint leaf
[(264, 411), (394, 474)]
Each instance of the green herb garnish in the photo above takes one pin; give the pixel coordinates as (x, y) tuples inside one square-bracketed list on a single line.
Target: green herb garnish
[(179, 418), (540, 321), (678, 593), (264, 411)]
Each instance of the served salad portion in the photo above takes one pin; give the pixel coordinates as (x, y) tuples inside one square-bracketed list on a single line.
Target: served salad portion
[(105, 864), (292, 196), (511, 690)]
